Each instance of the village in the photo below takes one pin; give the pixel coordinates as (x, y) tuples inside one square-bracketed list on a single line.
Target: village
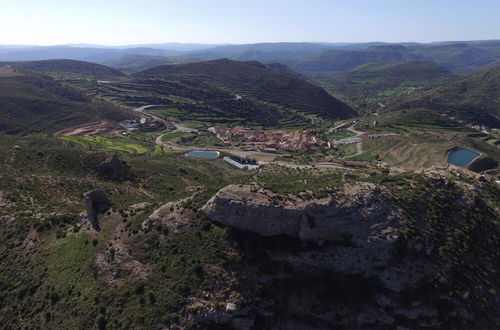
[(271, 141), (267, 141)]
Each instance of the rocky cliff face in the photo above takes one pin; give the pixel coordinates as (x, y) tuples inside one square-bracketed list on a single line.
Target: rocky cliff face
[(362, 212), (344, 261)]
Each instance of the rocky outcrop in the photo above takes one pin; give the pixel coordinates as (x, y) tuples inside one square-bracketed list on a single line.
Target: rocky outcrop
[(96, 202), (361, 212), (170, 218), (114, 169), (357, 230)]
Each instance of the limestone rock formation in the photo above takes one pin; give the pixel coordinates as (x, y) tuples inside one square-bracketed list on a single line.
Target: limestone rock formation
[(96, 202), (169, 218), (343, 260), (362, 212), (114, 169)]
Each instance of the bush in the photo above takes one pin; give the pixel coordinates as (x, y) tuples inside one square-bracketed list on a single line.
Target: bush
[(101, 322), (151, 297)]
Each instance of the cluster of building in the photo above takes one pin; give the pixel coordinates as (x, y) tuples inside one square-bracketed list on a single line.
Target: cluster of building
[(480, 128), (267, 141), (142, 124)]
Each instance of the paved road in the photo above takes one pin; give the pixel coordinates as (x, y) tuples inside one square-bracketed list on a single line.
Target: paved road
[(235, 152), (359, 145), (243, 154), (143, 110), (178, 127)]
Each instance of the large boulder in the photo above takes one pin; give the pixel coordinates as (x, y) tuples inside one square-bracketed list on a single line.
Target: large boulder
[(114, 169), (96, 202)]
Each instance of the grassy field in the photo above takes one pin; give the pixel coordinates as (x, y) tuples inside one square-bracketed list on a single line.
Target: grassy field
[(7, 72), (416, 148), (100, 142), (340, 135), (167, 112), (421, 138), (64, 286), (171, 136)]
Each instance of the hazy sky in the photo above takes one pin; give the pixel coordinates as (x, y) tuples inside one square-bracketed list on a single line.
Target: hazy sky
[(118, 22)]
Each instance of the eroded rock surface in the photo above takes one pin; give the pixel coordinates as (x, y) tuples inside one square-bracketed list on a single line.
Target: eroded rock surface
[(341, 260), (96, 202), (114, 169), (361, 212)]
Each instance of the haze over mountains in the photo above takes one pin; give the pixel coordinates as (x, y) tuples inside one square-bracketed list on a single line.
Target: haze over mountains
[(462, 57)]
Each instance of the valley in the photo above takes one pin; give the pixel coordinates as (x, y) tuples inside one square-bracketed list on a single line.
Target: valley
[(264, 186)]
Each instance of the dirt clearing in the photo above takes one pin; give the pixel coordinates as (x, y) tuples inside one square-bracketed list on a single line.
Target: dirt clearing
[(92, 128)]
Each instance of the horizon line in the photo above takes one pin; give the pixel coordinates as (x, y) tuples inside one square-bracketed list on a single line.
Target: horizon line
[(92, 45)]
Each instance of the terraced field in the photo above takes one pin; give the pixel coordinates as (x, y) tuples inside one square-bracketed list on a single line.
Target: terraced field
[(423, 148), (100, 142)]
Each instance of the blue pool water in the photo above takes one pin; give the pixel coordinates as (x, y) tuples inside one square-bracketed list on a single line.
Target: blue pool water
[(202, 154), (462, 157)]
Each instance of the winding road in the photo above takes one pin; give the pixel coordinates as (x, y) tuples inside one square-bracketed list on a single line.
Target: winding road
[(235, 152)]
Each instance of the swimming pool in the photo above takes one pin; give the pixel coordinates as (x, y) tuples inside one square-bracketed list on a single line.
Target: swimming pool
[(203, 154), (462, 157)]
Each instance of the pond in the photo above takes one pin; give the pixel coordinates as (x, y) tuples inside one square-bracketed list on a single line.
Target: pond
[(462, 157), (204, 154)]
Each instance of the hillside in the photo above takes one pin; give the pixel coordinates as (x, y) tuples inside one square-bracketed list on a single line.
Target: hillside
[(342, 60), (459, 57), (65, 67), (284, 69), (475, 98), (256, 80), (142, 62), (32, 102), (196, 244), (370, 84)]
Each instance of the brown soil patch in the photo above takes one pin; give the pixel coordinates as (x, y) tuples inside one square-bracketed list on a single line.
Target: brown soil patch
[(263, 158), (93, 128)]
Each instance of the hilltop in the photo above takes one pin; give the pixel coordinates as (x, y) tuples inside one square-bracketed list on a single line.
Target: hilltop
[(473, 98), (63, 67), (33, 102), (142, 62)]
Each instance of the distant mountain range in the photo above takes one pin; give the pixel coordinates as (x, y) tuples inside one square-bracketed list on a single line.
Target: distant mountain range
[(460, 57)]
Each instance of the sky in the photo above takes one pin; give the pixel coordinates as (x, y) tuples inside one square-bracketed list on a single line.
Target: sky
[(124, 22)]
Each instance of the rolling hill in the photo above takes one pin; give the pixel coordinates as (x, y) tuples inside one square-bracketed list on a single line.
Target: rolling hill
[(370, 84), (474, 98), (462, 57), (134, 63), (65, 67), (223, 92), (459, 57), (341, 60), (256, 80), (31, 102)]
